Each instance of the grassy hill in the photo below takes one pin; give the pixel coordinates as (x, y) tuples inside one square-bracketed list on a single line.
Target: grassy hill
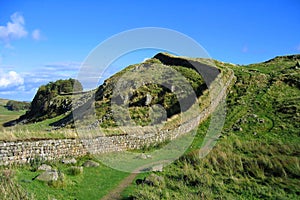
[(258, 155)]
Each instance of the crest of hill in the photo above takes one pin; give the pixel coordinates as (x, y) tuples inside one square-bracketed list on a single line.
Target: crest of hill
[(295, 57)]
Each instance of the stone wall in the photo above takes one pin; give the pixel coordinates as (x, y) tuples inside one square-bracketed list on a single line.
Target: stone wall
[(21, 152)]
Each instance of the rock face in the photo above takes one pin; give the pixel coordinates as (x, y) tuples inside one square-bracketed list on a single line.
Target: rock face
[(50, 101), (46, 102), (51, 175)]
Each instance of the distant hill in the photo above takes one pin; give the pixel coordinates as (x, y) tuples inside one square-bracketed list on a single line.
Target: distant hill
[(17, 105), (11, 110)]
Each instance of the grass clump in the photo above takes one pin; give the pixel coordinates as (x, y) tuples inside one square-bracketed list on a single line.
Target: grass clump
[(10, 189), (74, 171)]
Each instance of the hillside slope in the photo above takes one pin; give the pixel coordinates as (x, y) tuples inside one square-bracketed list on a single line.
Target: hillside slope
[(258, 155)]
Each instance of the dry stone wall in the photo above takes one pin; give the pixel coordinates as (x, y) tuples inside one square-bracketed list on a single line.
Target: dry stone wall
[(21, 152)]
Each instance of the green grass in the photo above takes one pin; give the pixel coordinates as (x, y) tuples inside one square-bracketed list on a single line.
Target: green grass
[(93, 183), (10, 189), (38, 130)]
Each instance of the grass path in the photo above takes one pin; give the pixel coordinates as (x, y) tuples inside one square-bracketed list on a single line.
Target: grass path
[(116, 193)]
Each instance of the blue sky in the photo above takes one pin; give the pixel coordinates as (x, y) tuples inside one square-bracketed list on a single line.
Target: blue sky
[(42, 41)]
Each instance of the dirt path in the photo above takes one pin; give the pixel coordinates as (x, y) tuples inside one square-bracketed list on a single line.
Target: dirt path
[(116, 193)]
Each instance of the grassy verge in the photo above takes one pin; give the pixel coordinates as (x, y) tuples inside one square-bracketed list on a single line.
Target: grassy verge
[(93, 183), (38, 130)]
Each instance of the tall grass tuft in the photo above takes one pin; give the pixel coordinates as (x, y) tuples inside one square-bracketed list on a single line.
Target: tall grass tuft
[(9, 189)]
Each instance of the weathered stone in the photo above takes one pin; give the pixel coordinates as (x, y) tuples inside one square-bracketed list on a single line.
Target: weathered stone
[(90, 163), (46, 176)]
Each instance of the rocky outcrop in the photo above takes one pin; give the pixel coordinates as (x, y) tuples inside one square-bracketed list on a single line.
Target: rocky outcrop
[(48, 101), (90, 163), (50, 175)]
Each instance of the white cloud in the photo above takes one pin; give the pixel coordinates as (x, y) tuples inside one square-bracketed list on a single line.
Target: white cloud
[(36, 34), (23, 85), (10, 79), (14, 29), (62, 66)]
